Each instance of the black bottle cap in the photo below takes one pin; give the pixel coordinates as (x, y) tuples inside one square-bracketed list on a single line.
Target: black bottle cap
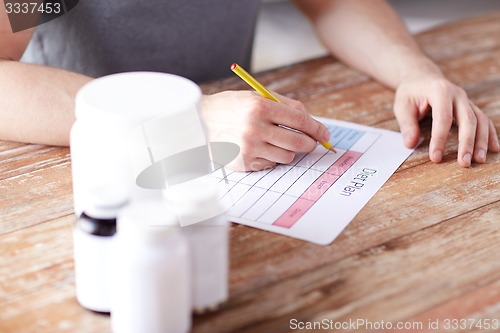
[(96, 226)]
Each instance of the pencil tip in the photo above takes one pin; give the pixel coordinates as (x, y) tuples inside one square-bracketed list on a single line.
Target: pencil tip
[(328, 146)]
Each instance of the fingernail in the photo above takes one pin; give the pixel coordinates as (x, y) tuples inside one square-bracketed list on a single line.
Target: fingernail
[(438, 154), (467, 158), (481, 154)]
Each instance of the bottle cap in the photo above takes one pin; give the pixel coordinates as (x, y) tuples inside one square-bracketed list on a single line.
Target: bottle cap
[(133, 97), (197, 200)]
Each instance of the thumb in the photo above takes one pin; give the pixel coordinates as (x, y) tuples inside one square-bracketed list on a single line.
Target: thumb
[(407, 115)]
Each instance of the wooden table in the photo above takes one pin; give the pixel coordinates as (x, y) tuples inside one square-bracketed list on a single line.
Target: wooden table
[(425, 247)]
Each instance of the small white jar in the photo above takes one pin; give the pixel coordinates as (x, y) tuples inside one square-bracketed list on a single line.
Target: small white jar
[(108, 142), (150, 279), (92, 236), (206, 228)]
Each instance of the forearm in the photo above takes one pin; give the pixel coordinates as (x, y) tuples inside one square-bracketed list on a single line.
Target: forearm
[(37, 103), (369, 35)]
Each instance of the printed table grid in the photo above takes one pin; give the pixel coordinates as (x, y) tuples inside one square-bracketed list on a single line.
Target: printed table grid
[(261, 195)]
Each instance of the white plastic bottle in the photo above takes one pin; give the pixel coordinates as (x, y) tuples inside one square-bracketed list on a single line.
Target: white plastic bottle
[(206, 228), (111, 110), (150, 288), (208, 242), (92, 236)]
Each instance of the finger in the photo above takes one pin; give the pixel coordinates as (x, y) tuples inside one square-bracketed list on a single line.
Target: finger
[(407, 116), (276, 154), (442, 119), (313, 128), (258, 164), (299, 120), (467, 125), (482, 133), (493, 144), (291, 140), (290, 102)]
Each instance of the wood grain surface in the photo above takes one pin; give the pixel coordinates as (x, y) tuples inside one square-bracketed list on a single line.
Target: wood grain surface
[(424, 248)]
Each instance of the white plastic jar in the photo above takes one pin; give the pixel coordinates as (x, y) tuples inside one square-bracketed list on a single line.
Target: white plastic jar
[(150, 272), (201, 212), (111, 110), (92, 236)]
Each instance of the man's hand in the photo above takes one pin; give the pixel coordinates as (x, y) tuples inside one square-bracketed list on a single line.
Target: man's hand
[(371, 37), (251, 121), (417, 95)]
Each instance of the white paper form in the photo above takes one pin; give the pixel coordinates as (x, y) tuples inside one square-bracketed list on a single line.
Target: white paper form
[(316, 196)]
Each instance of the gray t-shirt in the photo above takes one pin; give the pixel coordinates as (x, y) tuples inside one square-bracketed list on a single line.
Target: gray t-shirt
[(198, 39)]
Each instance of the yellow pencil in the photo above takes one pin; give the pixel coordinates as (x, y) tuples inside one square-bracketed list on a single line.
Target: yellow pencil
[(261, 89)]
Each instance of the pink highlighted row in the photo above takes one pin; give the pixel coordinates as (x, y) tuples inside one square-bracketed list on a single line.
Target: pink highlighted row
[(317, 189)]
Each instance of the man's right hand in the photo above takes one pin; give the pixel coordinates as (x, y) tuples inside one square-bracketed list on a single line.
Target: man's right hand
[(251, 121)]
